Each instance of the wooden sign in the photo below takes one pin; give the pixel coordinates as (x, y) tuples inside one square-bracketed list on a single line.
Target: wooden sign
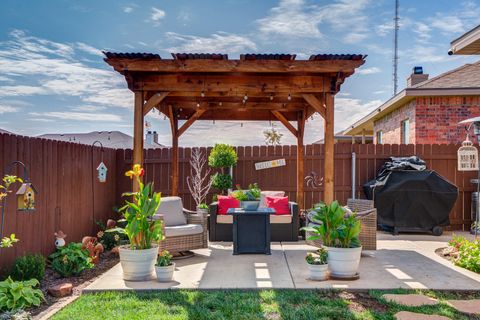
[(270, 164), (467, 157)]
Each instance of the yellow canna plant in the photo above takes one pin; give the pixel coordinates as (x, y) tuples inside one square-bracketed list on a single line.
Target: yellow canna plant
[(141, 229)]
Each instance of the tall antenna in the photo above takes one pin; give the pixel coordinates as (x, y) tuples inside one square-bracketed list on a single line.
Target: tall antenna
[(395, 49)]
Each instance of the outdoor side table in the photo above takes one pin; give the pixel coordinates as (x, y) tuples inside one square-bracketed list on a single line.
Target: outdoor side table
[(251, 230)]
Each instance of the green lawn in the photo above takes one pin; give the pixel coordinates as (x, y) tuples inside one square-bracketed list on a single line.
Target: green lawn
[(236, 304)]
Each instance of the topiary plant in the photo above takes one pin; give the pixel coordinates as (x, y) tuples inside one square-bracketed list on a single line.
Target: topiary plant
[(222, 156), (30, 266), (221, 181)]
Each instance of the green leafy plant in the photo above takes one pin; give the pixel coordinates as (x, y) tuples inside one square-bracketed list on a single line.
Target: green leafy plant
[(221, 156), (203, 206), (251, 194), (141, 229), (8, 180), (110, 240), (7, 242), (468, 253), (30, 266), (221, 181), (319, 257), (336, 229), (164, 259), (19, 294), (70, 260)]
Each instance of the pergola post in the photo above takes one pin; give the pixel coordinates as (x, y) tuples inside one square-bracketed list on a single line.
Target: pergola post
[(300, 159), (328, 194), (175, 158), (138, 133)]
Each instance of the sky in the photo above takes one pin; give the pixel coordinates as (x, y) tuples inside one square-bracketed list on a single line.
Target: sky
[(53, 78)]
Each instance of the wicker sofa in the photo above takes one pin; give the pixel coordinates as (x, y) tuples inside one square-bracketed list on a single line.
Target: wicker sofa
[(282, 227), (367, 214), (184, 230)]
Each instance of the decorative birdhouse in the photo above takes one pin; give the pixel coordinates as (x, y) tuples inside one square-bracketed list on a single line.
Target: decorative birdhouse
[(26, 197), (102, 172)]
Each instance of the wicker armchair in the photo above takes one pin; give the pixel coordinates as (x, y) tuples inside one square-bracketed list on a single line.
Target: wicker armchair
[(367, 214), (186, 235)]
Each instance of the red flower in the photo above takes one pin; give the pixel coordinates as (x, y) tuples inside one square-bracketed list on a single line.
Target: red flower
[(142, 172)]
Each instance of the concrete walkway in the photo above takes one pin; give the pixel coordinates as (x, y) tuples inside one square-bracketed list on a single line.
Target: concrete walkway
[(406, 261)]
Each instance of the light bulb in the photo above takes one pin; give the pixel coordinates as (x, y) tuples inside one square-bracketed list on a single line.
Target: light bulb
[(198, 105), (289, 97), (220, 103), (271, 97), (202, 94), (245, 97)]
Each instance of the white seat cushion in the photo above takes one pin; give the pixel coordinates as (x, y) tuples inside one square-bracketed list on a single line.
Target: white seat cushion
[(184, 230), (274, 218), (172, 210), (264, 194)]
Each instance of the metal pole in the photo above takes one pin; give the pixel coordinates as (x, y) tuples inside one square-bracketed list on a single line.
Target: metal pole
[(93, 181), (354, 160)]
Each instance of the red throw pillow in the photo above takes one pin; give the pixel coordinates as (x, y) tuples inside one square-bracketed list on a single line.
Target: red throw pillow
[(227, 202), (280, 204)]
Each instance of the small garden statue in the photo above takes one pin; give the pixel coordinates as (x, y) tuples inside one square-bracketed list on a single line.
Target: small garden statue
[(94, 248), (60, 239)]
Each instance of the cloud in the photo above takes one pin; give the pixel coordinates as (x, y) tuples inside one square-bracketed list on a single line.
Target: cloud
[(88, 49), (88, 108), (354, 37), (79, 116), (448, 23), (217, 42), (156, 15), (7, 109), (127, 9), (370, 70), (43, 67), (348, 110)]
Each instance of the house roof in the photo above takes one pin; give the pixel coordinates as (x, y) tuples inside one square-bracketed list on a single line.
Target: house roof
[(109, 139), (5, 131), (462, 81), (468, 43)]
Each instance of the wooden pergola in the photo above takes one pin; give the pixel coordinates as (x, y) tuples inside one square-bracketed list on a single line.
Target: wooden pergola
[(263, 87)]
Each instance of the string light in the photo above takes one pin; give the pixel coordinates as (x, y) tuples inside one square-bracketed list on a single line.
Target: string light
[(220, 103), (202, 94), (289, 97), (245, 97), (271, 97), (198, 105)]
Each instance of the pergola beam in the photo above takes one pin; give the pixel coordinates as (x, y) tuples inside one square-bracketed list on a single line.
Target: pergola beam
[(190, 121), (154, 101), (285, 122), (316, 104)]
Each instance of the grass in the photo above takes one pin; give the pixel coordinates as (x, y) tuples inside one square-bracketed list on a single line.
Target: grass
[(237, 304)]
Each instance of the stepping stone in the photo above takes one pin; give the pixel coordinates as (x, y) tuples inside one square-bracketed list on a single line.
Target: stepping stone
[(410, 300), (407, 315), (61, 290), (466, 306)]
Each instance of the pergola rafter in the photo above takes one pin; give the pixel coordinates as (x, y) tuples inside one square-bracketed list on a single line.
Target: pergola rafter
[(193, 87)]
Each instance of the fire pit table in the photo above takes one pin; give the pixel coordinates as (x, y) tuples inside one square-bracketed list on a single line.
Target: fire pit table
[(251, 230)]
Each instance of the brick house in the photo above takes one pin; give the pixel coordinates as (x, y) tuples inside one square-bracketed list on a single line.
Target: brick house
[(427, 111)]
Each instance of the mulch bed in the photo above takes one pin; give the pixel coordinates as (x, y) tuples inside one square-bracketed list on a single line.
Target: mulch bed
[(107, 261)]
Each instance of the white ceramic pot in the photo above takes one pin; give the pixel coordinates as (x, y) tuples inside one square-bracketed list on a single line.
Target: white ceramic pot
[(165, 274), (343, 262), (138, 265), (318, 272), (203, 212)]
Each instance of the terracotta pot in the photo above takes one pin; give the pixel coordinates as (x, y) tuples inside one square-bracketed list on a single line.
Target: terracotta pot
[(343, 262), (318, 272), (138, 265), (165, 274)]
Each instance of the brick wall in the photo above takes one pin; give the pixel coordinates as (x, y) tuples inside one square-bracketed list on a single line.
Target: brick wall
[(437, 118), (390, 125)]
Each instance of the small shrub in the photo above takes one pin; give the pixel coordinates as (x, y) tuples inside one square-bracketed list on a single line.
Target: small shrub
[(319, 257), (221, 156), (110, 239), (70, 260), (30, 266), (16, 295), (164, 259), (222, 181), (468, 253), (203, 206)]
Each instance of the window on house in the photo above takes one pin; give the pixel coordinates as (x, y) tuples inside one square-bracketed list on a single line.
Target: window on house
[(379, 137), (405, 134)]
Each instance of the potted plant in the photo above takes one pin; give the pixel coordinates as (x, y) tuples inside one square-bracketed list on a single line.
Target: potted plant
[(339, 233), (250, 198), (164, 267), (318, 264), (143, 232), (202, 208)]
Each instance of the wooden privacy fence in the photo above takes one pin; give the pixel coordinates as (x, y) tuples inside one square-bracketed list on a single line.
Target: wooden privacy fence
[(69, 198), (369, 158)]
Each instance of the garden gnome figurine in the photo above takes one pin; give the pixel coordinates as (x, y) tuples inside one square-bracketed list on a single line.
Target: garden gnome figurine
[(60, 239)]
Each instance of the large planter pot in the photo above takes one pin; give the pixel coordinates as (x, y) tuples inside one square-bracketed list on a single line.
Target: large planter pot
[(203, 212), (318, 272), (343, 262), (165, 274), (138, 265), (250, 205)]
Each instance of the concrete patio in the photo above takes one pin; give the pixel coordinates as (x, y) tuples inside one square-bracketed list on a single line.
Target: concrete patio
[(405, 261)]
